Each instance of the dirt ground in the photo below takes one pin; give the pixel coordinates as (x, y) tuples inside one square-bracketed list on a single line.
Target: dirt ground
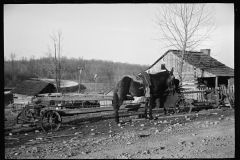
[(203, 134)]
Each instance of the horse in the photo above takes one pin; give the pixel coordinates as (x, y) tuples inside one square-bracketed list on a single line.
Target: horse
[(161, 84)]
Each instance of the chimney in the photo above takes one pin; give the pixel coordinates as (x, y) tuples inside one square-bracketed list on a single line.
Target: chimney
[(206, 51)]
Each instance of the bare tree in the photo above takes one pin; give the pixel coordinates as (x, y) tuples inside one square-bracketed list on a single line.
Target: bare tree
[(54, 66), (12, 57), (185, 27)]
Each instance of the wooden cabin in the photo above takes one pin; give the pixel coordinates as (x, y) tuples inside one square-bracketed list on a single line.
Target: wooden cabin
[(198, 66), (25, 92)]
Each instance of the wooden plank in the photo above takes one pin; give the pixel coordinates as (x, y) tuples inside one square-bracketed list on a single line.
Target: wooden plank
[(23, 99), (88, 110), (22, 96), (20, 102), (197, 91), (83, 110), (123, 108), (75, 98)]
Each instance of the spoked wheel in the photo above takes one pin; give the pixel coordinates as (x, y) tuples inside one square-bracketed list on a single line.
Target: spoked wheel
[(28, 114), (51, 121), (181, 106), (20, 119)]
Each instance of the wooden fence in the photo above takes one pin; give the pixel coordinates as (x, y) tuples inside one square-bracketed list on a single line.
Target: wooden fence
[(225, 89), (199, 94)]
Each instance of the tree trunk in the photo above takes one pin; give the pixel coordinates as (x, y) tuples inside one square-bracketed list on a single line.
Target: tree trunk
[(181, 67), (56, 67)]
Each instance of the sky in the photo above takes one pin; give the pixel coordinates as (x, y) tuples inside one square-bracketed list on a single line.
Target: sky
[(113, 32)]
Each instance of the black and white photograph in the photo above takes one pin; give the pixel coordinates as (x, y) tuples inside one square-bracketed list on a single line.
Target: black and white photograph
[(119, 80)]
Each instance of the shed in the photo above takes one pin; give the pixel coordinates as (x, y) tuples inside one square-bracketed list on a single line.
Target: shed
[(24, 92), (198, 66), (65, 85)]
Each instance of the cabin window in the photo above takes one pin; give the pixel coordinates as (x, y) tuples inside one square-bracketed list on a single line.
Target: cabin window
[(163, 67)]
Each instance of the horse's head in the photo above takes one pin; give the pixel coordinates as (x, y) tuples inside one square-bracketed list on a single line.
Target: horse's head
[(171, 81)]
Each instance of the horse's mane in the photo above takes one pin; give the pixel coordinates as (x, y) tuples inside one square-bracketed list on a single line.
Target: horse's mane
[(137, 78), (134, 77), (160, 73)]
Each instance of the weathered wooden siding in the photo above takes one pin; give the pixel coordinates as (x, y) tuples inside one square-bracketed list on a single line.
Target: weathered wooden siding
[(22, 99), (189, 71), (172, 60)]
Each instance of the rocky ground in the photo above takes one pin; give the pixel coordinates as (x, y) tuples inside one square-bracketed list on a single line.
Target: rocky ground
[(204, 134)]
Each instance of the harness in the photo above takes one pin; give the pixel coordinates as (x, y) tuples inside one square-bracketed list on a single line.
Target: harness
[(146, 82), (146, 78)]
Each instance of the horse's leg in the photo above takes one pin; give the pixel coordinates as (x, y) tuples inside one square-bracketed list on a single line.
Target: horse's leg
[(162, 100), (116, 106), (120, 102), (150, 107), (146, 107), (116, 115)]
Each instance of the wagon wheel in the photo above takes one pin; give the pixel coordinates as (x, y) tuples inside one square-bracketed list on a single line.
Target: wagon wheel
[(32, 113), (19, 119), (28, 114), (181, 106), (50, 121)]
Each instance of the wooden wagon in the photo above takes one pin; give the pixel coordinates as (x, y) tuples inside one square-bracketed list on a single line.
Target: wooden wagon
[(48, 111), (184, 101)]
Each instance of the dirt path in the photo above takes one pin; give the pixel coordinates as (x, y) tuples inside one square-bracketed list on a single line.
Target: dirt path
[(206, 134)]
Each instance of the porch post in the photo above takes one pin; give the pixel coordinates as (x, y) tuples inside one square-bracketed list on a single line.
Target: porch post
[(216, 82)]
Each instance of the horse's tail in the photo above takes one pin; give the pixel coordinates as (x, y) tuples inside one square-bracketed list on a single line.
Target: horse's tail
[(122, 88)]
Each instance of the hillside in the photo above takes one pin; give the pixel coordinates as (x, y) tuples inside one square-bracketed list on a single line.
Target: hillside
[(108, 72)]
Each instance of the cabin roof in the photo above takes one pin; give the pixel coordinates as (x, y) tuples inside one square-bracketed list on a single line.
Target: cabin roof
[(30, 87), (202, 61)]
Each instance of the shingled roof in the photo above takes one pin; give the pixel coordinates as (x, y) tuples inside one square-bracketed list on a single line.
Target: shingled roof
[(30, 87), (203, 61)]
